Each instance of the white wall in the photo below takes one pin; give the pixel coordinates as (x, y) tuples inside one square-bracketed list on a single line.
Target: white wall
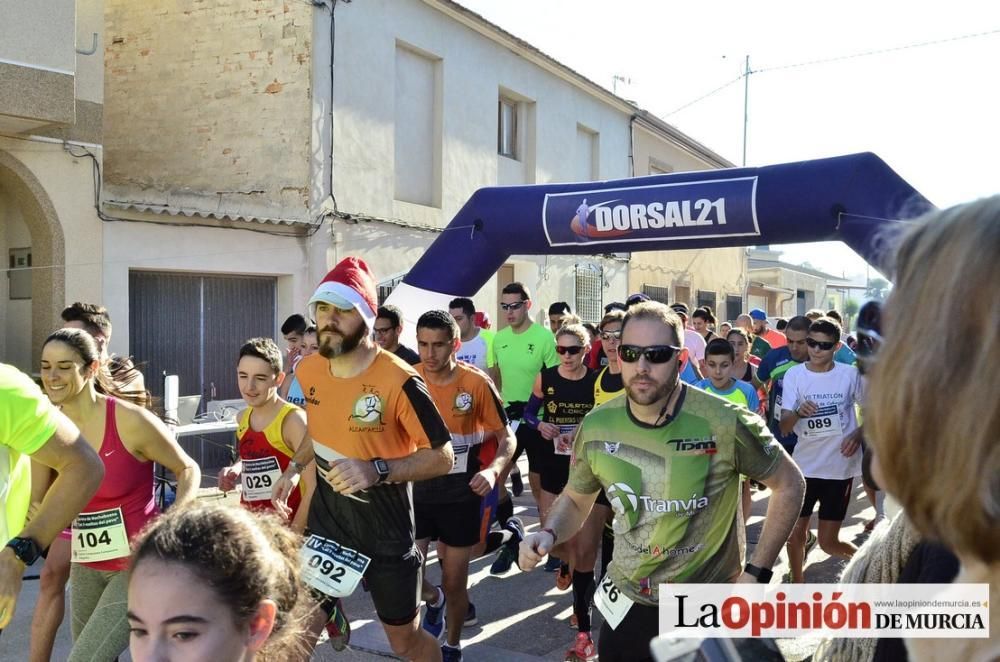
[(474, 69), (49, 43), (15, 316)]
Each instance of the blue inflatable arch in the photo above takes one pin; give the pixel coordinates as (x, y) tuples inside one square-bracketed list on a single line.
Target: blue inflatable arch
[(853, 199)]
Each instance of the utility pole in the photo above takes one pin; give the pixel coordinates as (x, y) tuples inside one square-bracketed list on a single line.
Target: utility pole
[(746, 97)]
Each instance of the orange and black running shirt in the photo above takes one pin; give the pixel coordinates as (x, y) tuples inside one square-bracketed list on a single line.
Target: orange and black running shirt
[(471, 409), (385, 412), (264, 456)]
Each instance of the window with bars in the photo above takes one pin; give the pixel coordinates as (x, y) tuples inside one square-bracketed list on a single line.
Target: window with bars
[(706, 298), (589, 292), (657, 293), (734, 306), (386, 287)]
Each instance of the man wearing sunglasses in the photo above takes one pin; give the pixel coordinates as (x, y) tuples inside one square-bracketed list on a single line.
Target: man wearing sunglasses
[(520, 351), (818, 405), (669, 457)]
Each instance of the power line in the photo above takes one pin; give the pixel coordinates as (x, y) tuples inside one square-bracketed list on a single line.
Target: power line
[(837, 58)]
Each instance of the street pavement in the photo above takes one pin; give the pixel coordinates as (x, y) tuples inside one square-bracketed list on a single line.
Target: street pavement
[(522, 616)]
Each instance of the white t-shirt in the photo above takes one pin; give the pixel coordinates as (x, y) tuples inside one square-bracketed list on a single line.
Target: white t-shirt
[(819, 437), (473, 352), (695, 344)]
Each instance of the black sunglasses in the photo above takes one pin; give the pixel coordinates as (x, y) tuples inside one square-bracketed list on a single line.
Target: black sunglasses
[(653, 353), (823, 345), (572, 351), (512, 306)]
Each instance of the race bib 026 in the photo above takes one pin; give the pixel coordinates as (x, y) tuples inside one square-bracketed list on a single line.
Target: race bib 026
[(611, 602)]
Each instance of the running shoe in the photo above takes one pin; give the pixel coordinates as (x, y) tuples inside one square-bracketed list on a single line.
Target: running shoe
[(508, 551), (449, 654), (516, 484), (564, 579), (470, 615), (434, 617), (583, 649), (552, 564), (811, 541), (338, 628)]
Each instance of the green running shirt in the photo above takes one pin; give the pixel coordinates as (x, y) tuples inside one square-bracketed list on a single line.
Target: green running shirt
[(520, 357), (27, 421), (674, 488)]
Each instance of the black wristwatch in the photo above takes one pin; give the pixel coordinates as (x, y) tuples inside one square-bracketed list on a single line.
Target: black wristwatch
[(382, 468), (25, 549), (763, 575)]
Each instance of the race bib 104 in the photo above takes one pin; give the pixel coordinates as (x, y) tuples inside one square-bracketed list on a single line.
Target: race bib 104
[(331, 568), (99, 536)]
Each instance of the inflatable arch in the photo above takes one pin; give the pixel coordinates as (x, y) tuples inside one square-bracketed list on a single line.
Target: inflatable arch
[(855, 199)]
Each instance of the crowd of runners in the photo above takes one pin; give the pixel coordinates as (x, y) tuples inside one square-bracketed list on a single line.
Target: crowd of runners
[(644, 435)]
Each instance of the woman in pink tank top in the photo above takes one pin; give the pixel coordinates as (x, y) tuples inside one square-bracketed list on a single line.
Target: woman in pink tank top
[(129, 440)]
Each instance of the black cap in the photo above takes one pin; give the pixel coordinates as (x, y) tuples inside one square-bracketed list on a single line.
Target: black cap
[(679, 308)]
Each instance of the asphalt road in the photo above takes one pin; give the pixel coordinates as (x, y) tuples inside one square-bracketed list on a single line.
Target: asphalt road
[(522, 616)]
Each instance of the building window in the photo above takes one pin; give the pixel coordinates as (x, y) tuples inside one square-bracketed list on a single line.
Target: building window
[(657, 293), (589, 292), (682, 294), (586, 160), (417, 128), (20, 273), (386, 287), (507, 128), (706, 299), (734, 306)]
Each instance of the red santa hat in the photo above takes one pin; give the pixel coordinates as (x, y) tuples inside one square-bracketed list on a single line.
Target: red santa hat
[(349, 285)]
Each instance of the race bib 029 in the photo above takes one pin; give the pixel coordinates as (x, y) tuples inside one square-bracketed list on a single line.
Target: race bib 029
[(259, 476)]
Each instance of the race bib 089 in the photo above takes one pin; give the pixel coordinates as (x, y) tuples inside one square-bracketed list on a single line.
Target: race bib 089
[(824, 423)]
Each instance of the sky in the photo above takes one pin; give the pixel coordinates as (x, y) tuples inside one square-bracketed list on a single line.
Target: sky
[(931, 112)]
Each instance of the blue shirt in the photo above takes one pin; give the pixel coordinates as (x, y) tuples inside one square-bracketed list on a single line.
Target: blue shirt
[(688, 375), (845, 355), (739, 392), (295, 394), (773, 368)]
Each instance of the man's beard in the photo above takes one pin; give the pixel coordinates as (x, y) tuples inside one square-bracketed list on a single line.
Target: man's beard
[(661, 391), (348, 343)]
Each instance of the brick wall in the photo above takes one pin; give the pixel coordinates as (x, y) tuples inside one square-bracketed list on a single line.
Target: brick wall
[(208, 101)]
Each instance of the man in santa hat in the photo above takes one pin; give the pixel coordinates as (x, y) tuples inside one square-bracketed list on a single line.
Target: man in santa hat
[(374, 428)]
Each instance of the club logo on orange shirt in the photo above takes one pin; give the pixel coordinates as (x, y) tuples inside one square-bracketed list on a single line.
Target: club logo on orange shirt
[(368, 409), (463, 402)]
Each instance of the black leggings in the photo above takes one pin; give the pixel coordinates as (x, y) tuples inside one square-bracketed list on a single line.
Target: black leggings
[(629, 642)]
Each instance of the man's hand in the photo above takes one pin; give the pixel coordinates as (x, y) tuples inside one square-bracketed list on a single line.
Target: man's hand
[(533, 549), (11, 571), (851, 443), (348, 475), (806, 409), (482, 483), (282, 490), (228, 476), (548, 430)]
